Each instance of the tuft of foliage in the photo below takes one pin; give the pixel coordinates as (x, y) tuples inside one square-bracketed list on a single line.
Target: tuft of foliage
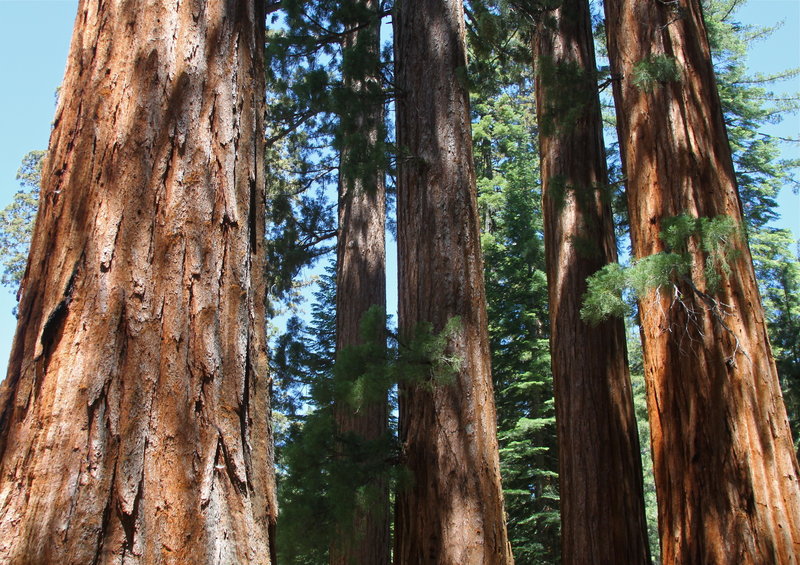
[(655, 69), (425, 356), (605, 295)]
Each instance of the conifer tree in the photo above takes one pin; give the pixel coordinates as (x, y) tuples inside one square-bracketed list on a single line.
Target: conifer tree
[(452, 510), (361, 277), (134, 417), (725, 471), (600, 475)]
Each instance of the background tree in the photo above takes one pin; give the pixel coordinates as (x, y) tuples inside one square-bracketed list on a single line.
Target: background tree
[(516, 293), (711, 379), (16, 220), (134, 418), (361, 282)]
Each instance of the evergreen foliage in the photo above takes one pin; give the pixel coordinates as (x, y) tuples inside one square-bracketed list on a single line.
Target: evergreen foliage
[(324, 476), (16, 220), (714, 236), (655, 69)]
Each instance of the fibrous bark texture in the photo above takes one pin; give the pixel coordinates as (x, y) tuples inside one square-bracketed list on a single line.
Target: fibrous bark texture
[(361, 274), (134, 423), (600, 471), (726, 474), (452, 510)]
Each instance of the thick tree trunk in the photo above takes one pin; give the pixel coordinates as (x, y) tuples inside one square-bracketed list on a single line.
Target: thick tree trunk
[(135, 415), (361, 275), (726, 473), (600, 470), (452, 510)]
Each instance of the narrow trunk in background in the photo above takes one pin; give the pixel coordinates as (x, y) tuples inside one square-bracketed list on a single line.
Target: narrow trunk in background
[(134, 421), (600, 470), (726, 474), (451, 509), (361, 274)]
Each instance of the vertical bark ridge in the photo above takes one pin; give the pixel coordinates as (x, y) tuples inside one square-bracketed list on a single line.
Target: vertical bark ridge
[(726, 474), (600, 475), (146, 438), (452, 510)]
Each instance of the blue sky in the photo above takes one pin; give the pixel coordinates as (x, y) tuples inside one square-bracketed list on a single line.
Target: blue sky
[(34, 40)]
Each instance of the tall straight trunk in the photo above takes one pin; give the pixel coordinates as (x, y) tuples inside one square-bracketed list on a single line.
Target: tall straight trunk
[(361, 273), (600, 470), (726, 474), (452, 510), (134, 421)]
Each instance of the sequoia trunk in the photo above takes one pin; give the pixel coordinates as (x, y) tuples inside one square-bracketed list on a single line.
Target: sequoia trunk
[(726, 473), (361, 274), (451, 512), (134, 423), (600, 471)]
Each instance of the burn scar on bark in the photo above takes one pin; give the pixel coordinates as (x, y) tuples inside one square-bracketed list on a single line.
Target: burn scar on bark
[(55, 320), (251, 218), (228, 464), (127, 517), (103, 531)]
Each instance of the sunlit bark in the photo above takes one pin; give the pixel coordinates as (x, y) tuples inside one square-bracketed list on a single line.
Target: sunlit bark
[(135, 415), (725, 470)]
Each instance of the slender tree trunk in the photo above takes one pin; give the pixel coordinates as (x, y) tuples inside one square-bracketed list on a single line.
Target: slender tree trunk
[(726, 474), (600, 470), (452, 510), (361, 273), (134, 423)]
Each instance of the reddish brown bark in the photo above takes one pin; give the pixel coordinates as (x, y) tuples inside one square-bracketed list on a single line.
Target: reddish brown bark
[(361, 276), (135, 415), (452, 512), (726, 474), (600, 471)]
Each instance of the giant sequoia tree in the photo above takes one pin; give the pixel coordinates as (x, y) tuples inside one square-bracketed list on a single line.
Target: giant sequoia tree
[(725, 470), (134, 418), (451, 510), (361, 281), (600, 474)]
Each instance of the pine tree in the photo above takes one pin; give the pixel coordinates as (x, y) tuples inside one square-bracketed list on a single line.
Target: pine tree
[(16, 220), (516, 291), (725, 470), (134, 418)]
